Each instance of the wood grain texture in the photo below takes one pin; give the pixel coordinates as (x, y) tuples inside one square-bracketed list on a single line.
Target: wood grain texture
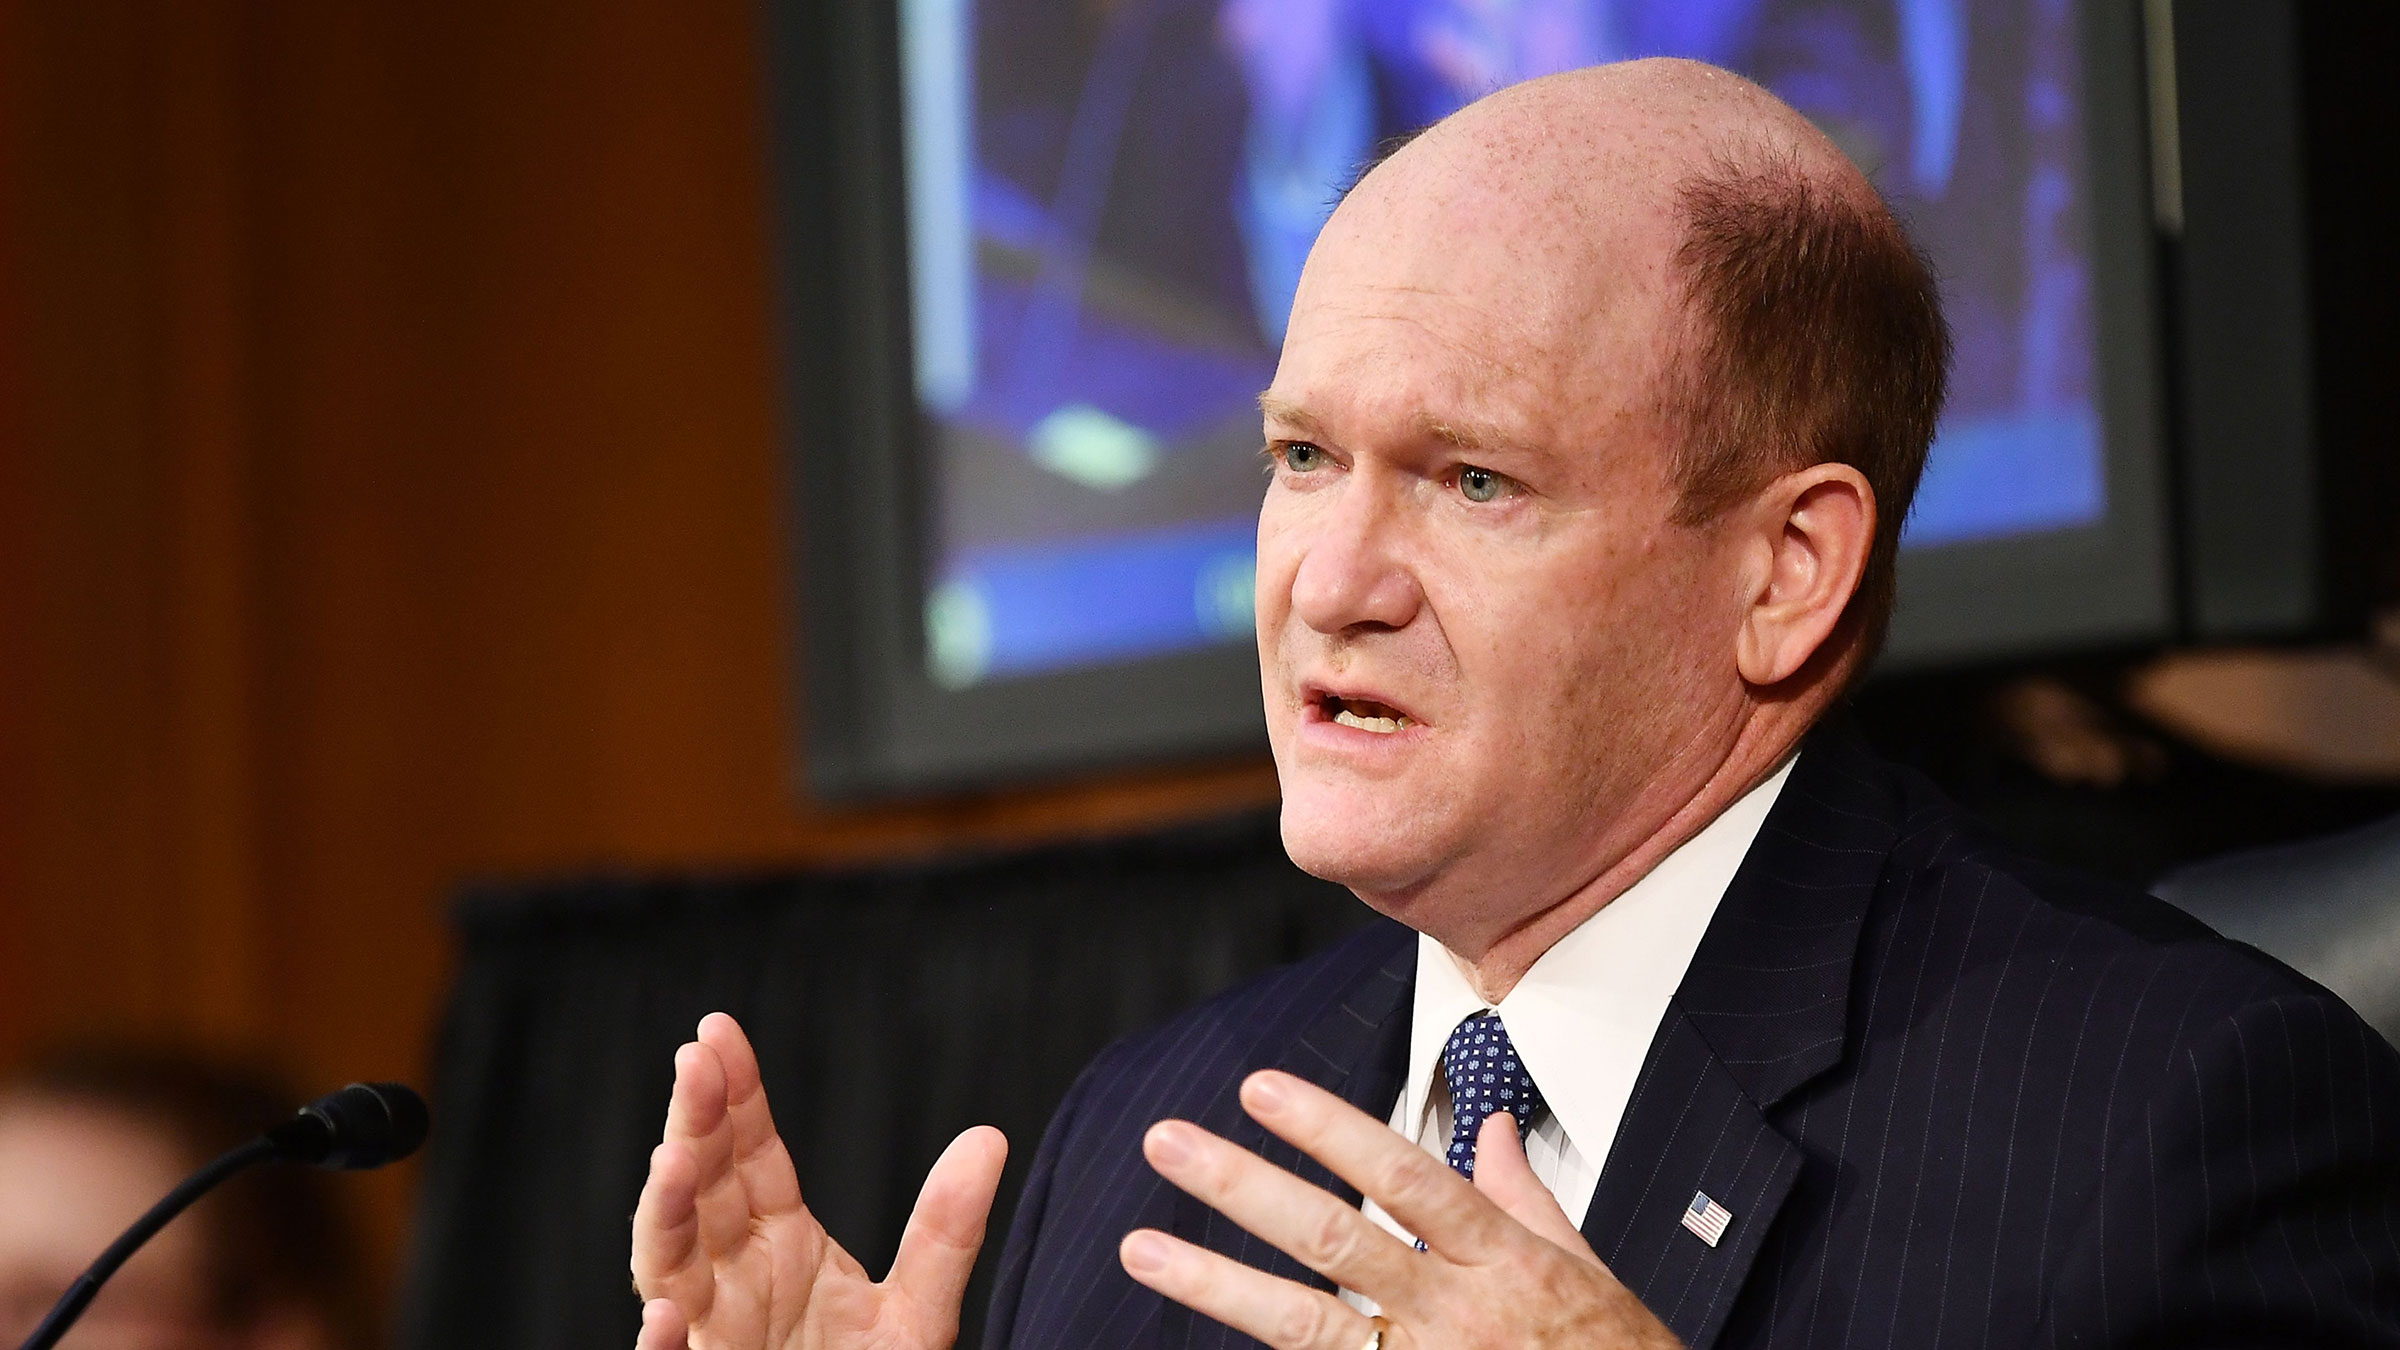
[(390, 494)]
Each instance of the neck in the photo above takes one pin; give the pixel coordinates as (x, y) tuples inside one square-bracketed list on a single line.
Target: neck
[(1761, 748)]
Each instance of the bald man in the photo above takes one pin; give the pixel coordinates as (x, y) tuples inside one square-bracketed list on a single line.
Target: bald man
[(1599, 409)]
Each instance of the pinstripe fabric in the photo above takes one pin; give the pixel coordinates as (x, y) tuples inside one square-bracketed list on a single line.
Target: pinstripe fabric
[(1951, 1097), (1338, 1020)]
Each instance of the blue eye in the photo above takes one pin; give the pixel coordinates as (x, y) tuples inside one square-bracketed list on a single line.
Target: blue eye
[(1301, 457), (1478, 485)]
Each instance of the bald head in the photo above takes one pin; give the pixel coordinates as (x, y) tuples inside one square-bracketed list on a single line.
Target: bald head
[(1568, 186), (1605, 146)]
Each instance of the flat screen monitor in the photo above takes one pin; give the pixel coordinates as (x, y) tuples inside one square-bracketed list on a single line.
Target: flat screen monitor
[(1039, 256)]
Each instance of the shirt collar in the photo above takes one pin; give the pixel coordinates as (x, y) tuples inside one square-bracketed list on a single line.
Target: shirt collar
[(1583, 1016)]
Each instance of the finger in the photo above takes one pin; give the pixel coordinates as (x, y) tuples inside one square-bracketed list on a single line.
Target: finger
[(1305, 1223), (663, 1327), (1412, 1185), (667, 1260), (696, 1107), (696, 1115), (1507, 1180), (1276, 1311), (699, 1122), (937, 1249), (758, 1152)]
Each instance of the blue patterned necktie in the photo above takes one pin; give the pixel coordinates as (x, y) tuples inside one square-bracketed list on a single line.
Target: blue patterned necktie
[(1485, 1078)]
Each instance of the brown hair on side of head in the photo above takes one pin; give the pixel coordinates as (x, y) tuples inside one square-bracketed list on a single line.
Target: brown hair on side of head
[(1816, 337), (278, 1242)]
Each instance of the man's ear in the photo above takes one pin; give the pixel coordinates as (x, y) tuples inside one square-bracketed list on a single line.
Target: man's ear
[(1810, 534)]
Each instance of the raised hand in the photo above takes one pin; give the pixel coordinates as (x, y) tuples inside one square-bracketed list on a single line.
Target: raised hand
[(727, 1256), (1503, 1266)]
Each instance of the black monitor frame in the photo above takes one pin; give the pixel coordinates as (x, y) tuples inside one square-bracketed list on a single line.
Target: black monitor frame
[(2110, 583), (877, 724)]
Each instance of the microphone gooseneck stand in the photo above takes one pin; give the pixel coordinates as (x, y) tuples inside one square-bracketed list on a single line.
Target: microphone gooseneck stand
[(363, 1125)]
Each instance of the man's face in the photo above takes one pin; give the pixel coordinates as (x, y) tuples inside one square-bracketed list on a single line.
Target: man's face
[(1484, 644)]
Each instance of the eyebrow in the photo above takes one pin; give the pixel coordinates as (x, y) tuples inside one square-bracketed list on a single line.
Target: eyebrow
[(1290, 414), (1466, 435), (1475, 438)]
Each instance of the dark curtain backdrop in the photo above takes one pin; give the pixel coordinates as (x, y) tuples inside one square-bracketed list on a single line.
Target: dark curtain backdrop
[(891, 1009)]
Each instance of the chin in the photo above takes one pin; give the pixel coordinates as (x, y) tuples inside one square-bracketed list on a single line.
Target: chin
[(1357, 840)]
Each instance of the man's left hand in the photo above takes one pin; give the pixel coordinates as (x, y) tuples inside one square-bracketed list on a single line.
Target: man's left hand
[(1502, 1266)]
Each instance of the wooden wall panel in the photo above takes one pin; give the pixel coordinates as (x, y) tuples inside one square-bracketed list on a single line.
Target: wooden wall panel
[(390, 495)]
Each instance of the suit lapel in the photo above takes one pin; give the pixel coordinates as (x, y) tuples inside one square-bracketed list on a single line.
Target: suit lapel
[(1690, 1129), (1358, 1051), (1762, 1011), (1354, 1045)]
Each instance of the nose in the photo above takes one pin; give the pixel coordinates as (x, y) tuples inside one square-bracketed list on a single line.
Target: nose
[(1352, 573)]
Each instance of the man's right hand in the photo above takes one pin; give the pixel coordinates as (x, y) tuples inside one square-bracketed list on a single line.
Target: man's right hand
[(726, 1256)]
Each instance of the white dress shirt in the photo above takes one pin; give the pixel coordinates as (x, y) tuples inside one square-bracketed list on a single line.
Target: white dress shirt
[(1583, 1017)]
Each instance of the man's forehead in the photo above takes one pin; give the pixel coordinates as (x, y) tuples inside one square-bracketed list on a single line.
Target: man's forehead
[(1468, 329), (1471, 346), (1518, 251), (1496, 292)]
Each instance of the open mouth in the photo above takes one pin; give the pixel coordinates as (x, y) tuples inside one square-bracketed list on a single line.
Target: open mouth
[(1363, 714)]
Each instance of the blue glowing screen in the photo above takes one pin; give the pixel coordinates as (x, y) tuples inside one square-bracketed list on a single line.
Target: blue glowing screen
[(1109, 203)]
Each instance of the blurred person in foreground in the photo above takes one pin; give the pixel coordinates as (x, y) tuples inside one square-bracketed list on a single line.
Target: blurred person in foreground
[(1691, 1022), (91, 1138)]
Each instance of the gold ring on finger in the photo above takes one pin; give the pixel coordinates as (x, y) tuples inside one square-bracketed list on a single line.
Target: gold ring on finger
[(1376, 1326)]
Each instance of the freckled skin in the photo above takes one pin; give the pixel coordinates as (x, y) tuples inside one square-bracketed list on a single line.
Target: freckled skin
[(1571, 652)]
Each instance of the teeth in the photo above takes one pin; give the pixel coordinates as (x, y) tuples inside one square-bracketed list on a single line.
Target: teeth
[(1380, 725)]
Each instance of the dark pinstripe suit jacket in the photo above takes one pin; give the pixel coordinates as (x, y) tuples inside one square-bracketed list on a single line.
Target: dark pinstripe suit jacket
[(1951, 1097)]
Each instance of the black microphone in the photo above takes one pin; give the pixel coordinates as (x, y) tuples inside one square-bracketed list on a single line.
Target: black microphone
[(363, 1125)]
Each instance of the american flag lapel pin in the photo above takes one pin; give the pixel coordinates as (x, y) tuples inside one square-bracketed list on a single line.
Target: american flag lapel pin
[(1706, 1218)]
